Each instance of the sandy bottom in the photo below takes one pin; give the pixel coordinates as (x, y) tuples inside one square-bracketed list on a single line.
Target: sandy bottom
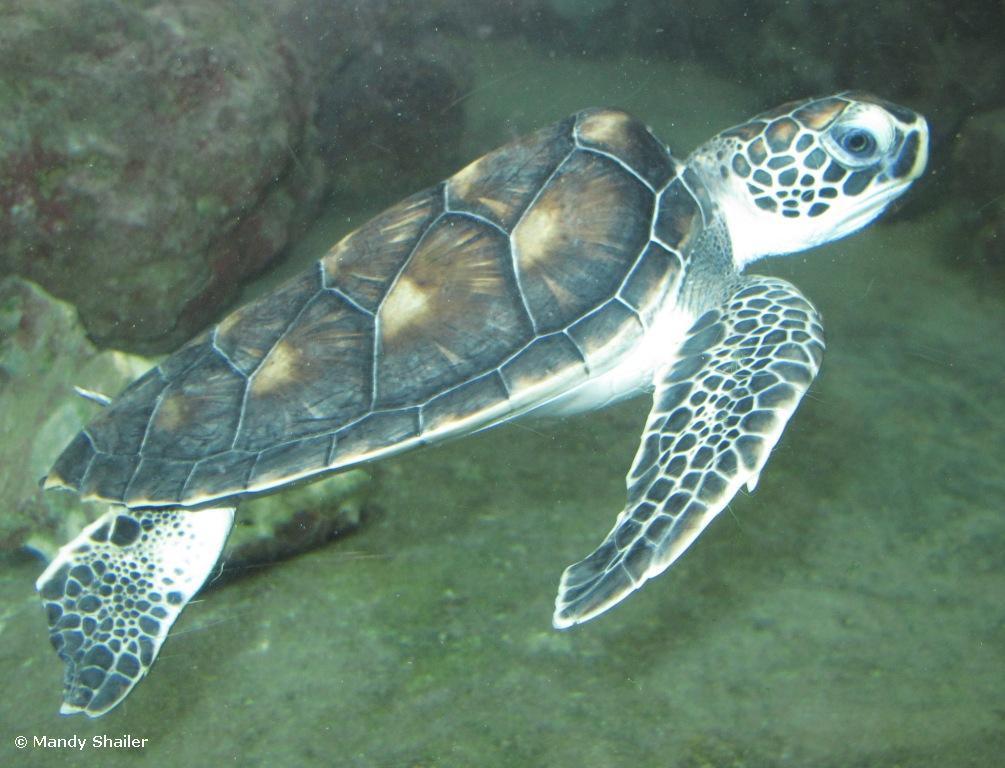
[(849, 613)]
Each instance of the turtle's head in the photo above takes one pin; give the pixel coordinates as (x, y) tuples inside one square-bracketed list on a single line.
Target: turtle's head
[(810, 171)]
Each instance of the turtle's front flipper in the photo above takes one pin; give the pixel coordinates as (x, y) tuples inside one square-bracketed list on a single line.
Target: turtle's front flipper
[(112, 594), (717, 413)]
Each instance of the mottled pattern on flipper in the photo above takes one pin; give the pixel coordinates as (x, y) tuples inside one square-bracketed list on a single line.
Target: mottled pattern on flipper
[(112, 594), (717, 413)]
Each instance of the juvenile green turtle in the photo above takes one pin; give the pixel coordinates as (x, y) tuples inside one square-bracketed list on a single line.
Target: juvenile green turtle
[(565, 271)]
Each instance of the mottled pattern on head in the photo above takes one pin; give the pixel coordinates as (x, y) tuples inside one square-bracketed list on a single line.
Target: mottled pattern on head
[(811, 171)]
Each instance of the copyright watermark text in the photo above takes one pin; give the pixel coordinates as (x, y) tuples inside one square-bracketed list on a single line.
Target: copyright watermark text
[(80, 743)]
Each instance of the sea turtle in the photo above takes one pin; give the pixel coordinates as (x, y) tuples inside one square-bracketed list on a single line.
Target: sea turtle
[(565, 271)]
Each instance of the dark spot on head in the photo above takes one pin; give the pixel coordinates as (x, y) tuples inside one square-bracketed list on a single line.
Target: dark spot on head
[(908, 155), (816, 158), (804, 142), (757, 152), (745, 132), (780, 134), (820, 113), (101, 534), (788, 178), (790, 214), (834, 172), (857, 182), (817, 208), (766, 204), (762, 177), (741, 166), (780, 161)]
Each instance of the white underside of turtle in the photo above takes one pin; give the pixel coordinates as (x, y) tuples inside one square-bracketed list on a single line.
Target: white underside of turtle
[(566, 271)]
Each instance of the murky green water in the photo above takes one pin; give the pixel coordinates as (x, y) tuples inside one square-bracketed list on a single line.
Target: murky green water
[(848, 613)]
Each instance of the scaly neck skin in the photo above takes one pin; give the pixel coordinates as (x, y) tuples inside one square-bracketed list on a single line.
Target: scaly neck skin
[(711, 272), (753, 233)]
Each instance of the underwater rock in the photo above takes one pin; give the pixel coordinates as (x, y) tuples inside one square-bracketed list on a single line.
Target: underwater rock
[(152, 157), (155, 156), (44, 352)]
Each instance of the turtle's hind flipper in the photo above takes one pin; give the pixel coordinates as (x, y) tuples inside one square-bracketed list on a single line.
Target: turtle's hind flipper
[(112, 594), (717, 413)]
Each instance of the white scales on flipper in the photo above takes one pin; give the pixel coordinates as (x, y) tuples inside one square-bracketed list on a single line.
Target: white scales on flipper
[(112, 594), (560, 273), (717, 413)]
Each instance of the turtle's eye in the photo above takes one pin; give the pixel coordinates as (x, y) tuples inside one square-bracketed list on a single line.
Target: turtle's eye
[(858, 142), (861, 139)]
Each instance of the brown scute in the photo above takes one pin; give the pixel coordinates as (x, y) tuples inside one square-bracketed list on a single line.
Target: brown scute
[(301, 457), (819, 114), (73, 462), (248, 334), (316, 378), (465, 402), (618, 133), (679, 216), (119, 428), (157, 481), (220, 475), (611, 326), (378, 430), (287, 386), (454, 312), (574, 246), (198, 412), (280, 370), (178, 361), (656, 274), (500, 185), (108, 475), (780, 133), (365, 263), (547, 358)]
